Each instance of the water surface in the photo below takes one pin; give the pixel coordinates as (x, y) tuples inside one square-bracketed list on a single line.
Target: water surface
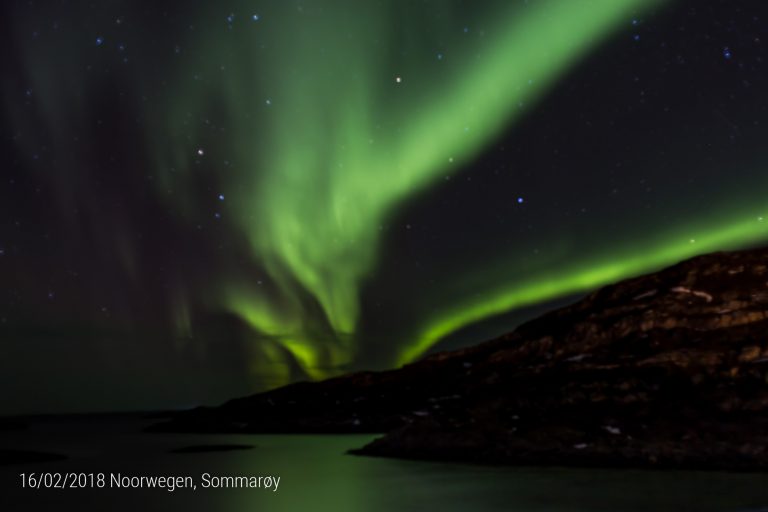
[(316, 475)]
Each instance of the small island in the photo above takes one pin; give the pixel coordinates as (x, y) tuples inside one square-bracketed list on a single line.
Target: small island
[(8, 457), (207, 448)]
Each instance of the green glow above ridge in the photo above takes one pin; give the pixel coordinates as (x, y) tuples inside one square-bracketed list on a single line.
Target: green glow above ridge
[(632, 260)]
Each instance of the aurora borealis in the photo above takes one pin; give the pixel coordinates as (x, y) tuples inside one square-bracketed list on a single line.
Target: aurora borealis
[(343, 163), (227, 198)]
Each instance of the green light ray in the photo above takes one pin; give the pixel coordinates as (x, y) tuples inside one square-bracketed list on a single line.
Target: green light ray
[(736, 230)]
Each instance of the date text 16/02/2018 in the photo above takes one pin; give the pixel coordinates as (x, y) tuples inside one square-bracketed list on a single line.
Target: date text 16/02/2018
[(121, 481)]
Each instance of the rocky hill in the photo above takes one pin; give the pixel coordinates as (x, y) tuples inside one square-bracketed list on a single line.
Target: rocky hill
[(664, 370)]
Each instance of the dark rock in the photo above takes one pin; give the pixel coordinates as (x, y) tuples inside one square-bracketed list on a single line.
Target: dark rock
[(206, 448), (8, 457), (664, 370), (11, 424)]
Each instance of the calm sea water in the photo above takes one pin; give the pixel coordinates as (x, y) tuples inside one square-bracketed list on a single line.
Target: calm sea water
[(316, 475)]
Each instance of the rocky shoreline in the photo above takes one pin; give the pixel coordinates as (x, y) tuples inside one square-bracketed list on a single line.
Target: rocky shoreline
[(664, 370)]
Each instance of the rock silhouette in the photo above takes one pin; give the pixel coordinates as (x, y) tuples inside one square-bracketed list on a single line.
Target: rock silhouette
[(664, 370)]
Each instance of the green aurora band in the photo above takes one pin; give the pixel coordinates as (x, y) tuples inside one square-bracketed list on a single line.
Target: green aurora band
[(337, 143), (321, 155), (316, 148)]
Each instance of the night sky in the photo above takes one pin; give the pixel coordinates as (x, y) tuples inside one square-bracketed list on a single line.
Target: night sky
[(199, 200)]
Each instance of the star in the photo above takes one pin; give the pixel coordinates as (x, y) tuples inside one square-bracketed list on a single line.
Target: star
[(520, 200), (221, 197), (200, 152), (99, 41), (398, 79)]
